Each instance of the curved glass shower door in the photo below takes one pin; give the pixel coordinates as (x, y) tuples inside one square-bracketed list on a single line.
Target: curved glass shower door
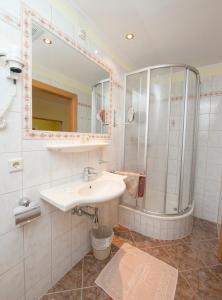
[(159, 141), (135, 129), (171, 127), (135, 126)]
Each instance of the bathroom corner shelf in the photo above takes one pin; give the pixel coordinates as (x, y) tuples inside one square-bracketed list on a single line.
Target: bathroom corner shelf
[(75, 147)]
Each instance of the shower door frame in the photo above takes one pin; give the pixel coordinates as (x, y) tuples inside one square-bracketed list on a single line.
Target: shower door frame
[(187, 68), (102, 82)]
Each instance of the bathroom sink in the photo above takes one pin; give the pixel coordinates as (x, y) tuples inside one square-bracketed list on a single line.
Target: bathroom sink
[(104, 188), (98, 189)]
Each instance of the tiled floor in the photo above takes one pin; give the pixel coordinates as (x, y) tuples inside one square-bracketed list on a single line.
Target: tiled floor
[(200, 271)]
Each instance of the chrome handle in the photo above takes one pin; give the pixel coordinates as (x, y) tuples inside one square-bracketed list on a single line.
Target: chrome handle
[(24, 202)]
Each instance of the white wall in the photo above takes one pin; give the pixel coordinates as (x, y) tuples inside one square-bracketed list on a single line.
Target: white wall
[(209, 151), (34, 257)]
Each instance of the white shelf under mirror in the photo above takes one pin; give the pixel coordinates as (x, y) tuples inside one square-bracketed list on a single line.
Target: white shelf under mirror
[(75, 147)]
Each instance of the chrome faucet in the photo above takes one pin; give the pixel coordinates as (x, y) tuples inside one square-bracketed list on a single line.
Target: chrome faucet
[(89, 173)]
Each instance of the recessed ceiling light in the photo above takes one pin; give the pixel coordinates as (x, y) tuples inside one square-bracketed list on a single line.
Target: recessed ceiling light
[(47, 41), (129, 36)]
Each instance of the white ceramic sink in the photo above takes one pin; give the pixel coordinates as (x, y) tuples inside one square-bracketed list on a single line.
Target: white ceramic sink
[(106, 187)]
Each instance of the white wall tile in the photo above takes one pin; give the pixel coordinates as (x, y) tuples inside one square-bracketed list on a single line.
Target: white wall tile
[(205, 105), (37, 235), (11, 249), (37, 266), (9, 181), (39, 288), (62, 23), (215, 121), (34, 145), (61, 223), (199, 188), (216, 83), (76, 240), (213, 171), (61, 249), (59, 270), (216, 104), (11, 136), (61, 165), (212, 188), (214, 155), (7, 204), (159, 228), (215, 139), (33, 193), (12, 283), (204, 121), (203, 138), (209, 160), (36, 168), (80, 160)]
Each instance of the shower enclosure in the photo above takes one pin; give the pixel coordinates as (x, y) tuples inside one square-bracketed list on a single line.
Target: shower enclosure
[(161, 104), (100, 102)]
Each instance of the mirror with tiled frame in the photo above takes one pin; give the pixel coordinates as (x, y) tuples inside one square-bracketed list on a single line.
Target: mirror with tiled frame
[(67, 91)]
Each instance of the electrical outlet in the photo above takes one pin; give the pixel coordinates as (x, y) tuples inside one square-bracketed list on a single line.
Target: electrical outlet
[(15, 165)]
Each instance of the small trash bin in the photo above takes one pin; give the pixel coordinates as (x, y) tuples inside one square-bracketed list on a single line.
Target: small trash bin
[(101, 239)]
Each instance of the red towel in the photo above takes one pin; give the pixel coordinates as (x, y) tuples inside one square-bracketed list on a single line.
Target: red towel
[(141, 186)]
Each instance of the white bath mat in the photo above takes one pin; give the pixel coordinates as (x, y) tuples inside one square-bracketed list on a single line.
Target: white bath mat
[(135, 275)]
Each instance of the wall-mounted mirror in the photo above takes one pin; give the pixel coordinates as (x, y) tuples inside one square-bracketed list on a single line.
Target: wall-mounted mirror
[(70, 92)]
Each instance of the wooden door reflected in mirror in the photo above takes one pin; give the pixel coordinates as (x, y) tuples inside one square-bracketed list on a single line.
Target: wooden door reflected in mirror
[(53, 109)]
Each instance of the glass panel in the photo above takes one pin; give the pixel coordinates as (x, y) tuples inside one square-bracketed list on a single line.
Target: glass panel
[(170, 138), (135, 119), (100, 107), (176, 117), (105, 106), (136, 101), (158, 129), (186, 184)]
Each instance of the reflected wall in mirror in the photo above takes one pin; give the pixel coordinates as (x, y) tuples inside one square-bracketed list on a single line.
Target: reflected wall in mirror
[(70, 92)]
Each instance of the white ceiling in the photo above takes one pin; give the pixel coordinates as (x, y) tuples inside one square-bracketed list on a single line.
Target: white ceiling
[(167, 31)]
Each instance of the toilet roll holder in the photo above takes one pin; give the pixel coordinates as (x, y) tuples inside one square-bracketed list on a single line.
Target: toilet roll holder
[(26, 212)]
